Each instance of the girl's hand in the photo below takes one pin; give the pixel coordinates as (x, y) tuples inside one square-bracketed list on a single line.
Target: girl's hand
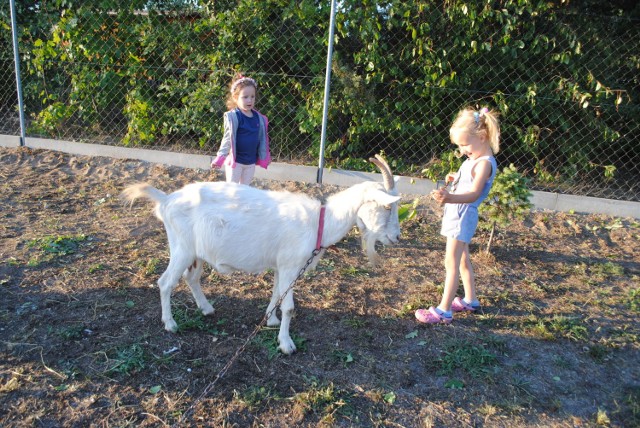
[(217, 162), (440, 195)]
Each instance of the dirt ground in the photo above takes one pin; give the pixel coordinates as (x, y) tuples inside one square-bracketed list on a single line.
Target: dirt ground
[(82, 344)]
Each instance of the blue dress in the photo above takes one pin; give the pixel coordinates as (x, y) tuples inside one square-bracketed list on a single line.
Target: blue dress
[(460, 221), (247, 138)]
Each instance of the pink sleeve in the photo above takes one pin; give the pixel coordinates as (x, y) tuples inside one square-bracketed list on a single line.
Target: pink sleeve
[(264, 163), (218, 161)]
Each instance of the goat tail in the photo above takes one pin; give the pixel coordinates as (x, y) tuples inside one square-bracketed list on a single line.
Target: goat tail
[(143, 190)]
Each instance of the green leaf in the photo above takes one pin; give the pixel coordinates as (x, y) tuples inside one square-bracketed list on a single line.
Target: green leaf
[(390, 397), (454, 384)]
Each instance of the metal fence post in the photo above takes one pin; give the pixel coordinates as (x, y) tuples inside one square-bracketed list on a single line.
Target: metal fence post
[(327, 85), (16, 59)]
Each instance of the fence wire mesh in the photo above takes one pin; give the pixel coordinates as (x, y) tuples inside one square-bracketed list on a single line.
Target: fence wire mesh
[(155, 74)]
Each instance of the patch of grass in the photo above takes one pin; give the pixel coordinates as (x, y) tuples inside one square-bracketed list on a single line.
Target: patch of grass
[(57, 245), (602, 419), (473, 359), (128, 360), (51, 247), (131, 246), (268, 339), (598, 352), (254, 396), (540, 329), (559, 326), (95, 268), (533, 285), (487, 410), (355, 322), (326, 265), (562, 362), (623, 335), (214, 278), (323, 399), (409, 308), (488, 319), (26, 307), (569, 327), (631, 402), (192, 319), (454, 384), (71, 333), (354, 272), (603, 270), (150, 267), (634, 299), (343, 357), (33, 262), (522, 385), (502, 296), (495, 342)]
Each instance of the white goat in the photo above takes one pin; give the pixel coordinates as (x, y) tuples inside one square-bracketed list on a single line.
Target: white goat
[(235, 227)]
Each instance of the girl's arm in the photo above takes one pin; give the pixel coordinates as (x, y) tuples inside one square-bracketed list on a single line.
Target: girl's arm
[(225, 144), (481, 173)]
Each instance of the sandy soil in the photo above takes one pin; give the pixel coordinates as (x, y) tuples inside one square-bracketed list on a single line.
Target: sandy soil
[(82, 343)]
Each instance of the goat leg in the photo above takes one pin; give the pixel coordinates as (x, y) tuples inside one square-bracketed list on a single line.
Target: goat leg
[(192, 277)]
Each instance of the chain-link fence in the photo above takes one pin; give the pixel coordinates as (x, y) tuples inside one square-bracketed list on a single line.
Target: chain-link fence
[(155, 74)]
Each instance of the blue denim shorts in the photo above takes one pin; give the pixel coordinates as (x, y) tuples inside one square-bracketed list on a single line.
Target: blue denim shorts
[(459, 221)]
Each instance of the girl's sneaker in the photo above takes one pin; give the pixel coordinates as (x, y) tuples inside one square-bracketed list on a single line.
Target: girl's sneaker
[(431, 316), (459, 305)]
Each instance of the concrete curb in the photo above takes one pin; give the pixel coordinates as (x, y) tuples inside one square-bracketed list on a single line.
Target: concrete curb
[(308, 174)]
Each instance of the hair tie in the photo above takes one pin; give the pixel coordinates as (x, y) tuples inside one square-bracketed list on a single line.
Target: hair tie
[(478, 115), (243, 79)]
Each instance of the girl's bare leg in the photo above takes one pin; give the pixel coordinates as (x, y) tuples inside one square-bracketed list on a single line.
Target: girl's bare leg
[(452, 262), (467, 275)]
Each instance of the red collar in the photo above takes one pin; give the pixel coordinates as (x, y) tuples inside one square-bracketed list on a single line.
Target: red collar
[(320, 228)]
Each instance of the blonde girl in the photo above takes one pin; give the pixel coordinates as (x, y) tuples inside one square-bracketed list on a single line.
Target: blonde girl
[(245, 141), (477, 135)]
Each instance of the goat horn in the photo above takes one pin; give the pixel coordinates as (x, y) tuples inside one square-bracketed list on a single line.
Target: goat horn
[(385, 170)]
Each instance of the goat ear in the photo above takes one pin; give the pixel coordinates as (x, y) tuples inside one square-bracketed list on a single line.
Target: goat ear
[(383, 198)]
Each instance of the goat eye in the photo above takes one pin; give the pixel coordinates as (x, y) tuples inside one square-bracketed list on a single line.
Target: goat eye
[(387, 207)]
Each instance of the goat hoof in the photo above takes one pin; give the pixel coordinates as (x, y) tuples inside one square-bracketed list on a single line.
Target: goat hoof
[(207, 310), (171, 326), (374, 261), (287, 347)]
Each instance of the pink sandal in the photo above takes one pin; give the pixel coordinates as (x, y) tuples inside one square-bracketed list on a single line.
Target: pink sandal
[(460, 305), (432, 316)]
